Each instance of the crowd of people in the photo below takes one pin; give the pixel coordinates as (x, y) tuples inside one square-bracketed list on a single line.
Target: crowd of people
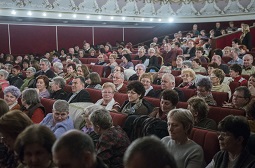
[(33, 137)]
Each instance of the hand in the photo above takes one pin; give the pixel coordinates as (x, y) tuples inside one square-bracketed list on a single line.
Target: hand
[(226, 104)]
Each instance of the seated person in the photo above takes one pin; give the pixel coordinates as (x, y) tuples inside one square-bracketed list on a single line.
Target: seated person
[(116, 69), (15, 77), (3, 79), (199, 109), (217, 59), (118, 81), (126, 62), (233, 136), (70, 74), (217, 77), (58, 69), (29, 81), (58, 121), (251, 84), (186, 152), (235, 73), (163, 70), (146, 79), (153, 60), (199, 55), (141, 56), (136, 105), (11, 95), (168, 82), (31, 105), (235, 58), (100, 60), (57, 88), (45, 66), (197, 66), (168, 101), (42, 85), (79, 94), (140, 69), (107, 101), (93, 81), (179, 61), (248, 68), (113, 140), (188, 76), (210, 67), (204, 87)]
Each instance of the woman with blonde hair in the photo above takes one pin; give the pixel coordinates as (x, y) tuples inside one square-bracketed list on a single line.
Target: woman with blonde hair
[(246, 36), (188, 76)]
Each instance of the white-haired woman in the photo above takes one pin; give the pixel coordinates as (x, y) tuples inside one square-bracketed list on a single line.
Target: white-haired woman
[(11, 95), (3, 79), (140, 69)]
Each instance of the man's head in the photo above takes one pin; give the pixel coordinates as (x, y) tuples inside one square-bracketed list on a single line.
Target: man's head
[(167, 82), (86, 46), (217, 25), (71, 51), (247, 60), (148, 152), (44, 64), (118, 78), (199, 52), (163, 70), (235, 70), (204, 87), (155, 40), (78, 84), (241, 97), (80, 154), (234, 53), (16, 70), (168, 47), (236, 42), (216, 59)]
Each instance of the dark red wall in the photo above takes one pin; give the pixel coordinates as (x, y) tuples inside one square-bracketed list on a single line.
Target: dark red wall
[(4, 41)]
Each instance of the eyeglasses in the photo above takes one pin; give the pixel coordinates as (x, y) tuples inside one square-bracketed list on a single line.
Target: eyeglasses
[(145, 81)]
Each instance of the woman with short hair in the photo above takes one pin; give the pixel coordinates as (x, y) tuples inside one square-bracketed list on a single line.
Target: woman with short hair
[(188, 76), (32, 105), (42, 85), (186, 152), (140, 69), (3, 79), (71, 73), (11, 95), (126, 62), (57, 88)]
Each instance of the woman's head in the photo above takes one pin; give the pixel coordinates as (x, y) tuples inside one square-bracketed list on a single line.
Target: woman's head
[(126, 58), (12, 124), (118, 69), (4, 108), (251, 81), (146, 79), (93, 78), (151, 52), (188, 75), (168, 100), (217, 76), (245, 28), (33, 146), (42, 82), (198, 108), (11, 95), (140, 69), (3, 74), (101, 120), (71, 68), (82, 70), (204, 87), (87, 111), (30, 72), (196, 63), (60, 110), (108, 90), (112, 58), (30, 97), (135, 91), (211, 66)]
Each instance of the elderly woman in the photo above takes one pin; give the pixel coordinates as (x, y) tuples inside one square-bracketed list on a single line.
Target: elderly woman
[(217, 76), (168, 102), (93, 81), (11, 95), (197, 65), (3, 79), (136, 105), (113, 141), (71, 73), (112, 61), (233, 135), (42, 84), (82, 70), (140, 69), (29, 82), (58, 69), (204, 87), (33, 147), (146, 79), (58, 121), (11, 125), (153, 60), (186, 64), (108, 101), (186, 152), (116, 69), (199, 109), (32, 105), (188, 76), (126, 62), (57, 88)]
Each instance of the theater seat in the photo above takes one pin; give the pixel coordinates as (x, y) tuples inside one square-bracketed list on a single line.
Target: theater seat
[(97, 68), (68, 88), (154, 101), (176, 73), (118, 118), (120, 98), (1, 94), (188, 93), (182, 105), (208, 140), (104, 80), (233, 86), (178, 81), (48, 104), (220, 97), (95, 94)]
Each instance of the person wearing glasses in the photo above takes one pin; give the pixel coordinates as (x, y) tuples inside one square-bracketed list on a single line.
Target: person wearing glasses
[(107, 101), (233, 135), (140, 69), (146, 79), (58, 121)]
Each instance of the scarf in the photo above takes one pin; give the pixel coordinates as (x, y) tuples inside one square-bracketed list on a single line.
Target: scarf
[(109, 105), (130, 108)]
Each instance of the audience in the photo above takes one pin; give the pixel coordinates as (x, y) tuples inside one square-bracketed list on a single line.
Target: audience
[(45, 66), (11, 95), (235, 73), (188, 77), (58, 69), (140, 70), (163, 70), (118, 81), (82, 70), (15, 77), (70, 74)]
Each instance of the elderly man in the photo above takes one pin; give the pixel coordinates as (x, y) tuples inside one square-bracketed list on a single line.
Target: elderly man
[(147, 152), (248, 68), (58, 68), (57, 87), (217, 60), (79, 93), (169, 55), (163, 70), (168, 82), (141, 55), (80, 154), (45, 69), (118, 81), (235, 73), (234, 55)]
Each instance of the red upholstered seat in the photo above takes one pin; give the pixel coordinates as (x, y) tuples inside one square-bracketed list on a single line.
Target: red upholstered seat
[(68, 88), (246, 77), (233, 86), (176, 73), (1, 94), (120, 98), (97, 68), (156, 87), (220, 97), (178, 81), (208, 140), (118, 118), (95, 94), (154, 101), (84, 60), (226, 59), (188, 93), (104, 80), (182, 105), (48, 104)]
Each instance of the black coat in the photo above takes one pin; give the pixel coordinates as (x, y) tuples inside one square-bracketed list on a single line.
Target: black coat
[(82, 96)]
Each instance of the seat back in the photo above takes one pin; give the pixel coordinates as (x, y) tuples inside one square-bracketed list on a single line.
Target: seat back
[(118, 118), (178, 81), (154, 101), (233, 86), (176, 73), (95, 94), (220, 97), (188, 93), (48, 104), (120, 98)]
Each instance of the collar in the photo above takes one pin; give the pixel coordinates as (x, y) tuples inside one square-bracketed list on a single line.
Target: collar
[(247, 68), (14, 104)]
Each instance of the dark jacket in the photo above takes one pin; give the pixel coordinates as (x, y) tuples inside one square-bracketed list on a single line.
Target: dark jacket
[(49, 73), (60, 94), (82, 96), (180, 93), (16, 81)]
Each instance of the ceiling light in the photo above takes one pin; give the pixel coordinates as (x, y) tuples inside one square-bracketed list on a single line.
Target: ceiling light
[(99, 17), (44, 14), (142, 19), (171, 20), (13, 12), (60, 15), (87, 16), (112, 18), (29, 13), (151, 19), (123, 18), (74, 16), (159, 20)]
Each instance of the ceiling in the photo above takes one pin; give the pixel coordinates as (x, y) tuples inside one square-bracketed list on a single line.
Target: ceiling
[(124, 13)]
